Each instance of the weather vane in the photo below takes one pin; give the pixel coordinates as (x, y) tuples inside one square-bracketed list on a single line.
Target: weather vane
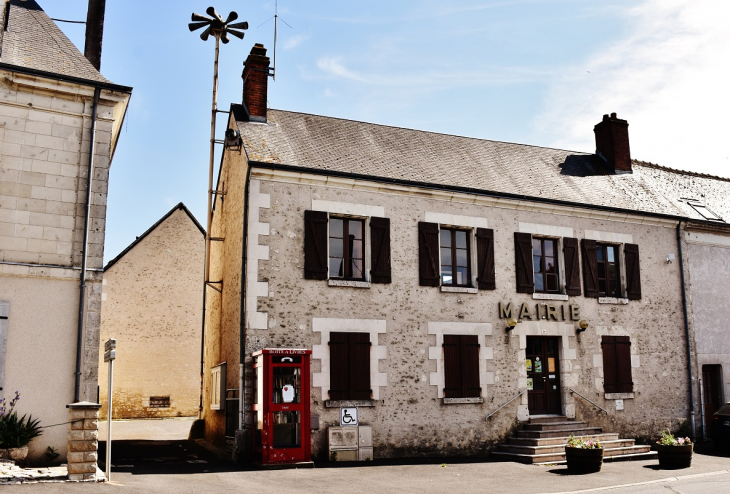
[(220, 29)]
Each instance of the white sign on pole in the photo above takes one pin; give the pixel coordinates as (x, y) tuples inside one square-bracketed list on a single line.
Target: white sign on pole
[(348, 416), (109, 355)]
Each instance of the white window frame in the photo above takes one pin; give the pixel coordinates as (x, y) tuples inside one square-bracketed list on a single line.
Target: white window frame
[(218, 386)]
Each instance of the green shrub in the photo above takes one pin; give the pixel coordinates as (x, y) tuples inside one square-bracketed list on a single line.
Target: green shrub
[(16, 432)]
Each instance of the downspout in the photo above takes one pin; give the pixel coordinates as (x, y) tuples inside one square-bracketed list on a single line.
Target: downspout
[(84, 252), (686, 331), (242, 329)]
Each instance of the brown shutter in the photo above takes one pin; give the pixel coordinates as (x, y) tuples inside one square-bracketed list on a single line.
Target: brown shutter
[(380, 250), (523, 263), (470, 366), (452, 369), (315, 245), (572, 266), (359, 371), (485, 259), (633, 273), (428, 254), (339, 380), (590, 267), (623, 365), (610, 375)]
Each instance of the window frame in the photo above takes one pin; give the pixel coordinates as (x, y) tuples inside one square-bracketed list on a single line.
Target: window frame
[(350, 347), (557, 248), (346, 254), (218, 386), (620, 363), (461, 342), (469, 235), (603, 247)]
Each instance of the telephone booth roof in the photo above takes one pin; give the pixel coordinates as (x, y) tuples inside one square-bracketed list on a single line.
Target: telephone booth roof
[(282, 351)]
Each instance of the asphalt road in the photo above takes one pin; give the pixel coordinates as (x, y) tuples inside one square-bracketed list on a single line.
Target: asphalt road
[(185, 467)]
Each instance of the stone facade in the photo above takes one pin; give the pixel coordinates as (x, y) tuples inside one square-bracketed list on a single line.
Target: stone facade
[(83, 441), (152, 301)]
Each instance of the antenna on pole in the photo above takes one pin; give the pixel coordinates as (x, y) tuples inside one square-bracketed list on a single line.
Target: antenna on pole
[(276, 22)]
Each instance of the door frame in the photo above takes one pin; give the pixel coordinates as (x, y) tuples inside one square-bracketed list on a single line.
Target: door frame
[(543, 339)]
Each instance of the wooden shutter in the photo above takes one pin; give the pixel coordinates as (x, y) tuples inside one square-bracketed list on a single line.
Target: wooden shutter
[(590, 267), (452, 369), (339, 375), (523, 263), (428, 254), (380, 250), (461, 366), (485, 259), (359, 371), (572, 266), (315, 245), (617, 364), (633, 273)]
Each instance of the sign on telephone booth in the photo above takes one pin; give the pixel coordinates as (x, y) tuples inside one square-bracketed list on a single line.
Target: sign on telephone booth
[(281, 406)]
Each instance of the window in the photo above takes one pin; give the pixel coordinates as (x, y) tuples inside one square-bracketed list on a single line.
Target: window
[(349, 366), (159, 402), (461, 366), (217, 386), (346, 241), (545, 264), (455, 256), (336, 248), (617, 364), (608, 270)]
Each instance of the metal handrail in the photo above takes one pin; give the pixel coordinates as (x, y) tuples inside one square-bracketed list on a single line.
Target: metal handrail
[(589, 401), (506, 403)]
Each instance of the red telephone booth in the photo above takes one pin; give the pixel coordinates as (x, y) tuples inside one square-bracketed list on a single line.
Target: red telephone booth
[(281, 406)]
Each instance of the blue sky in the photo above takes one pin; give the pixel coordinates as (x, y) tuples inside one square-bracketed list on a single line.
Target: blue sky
[(528, 71)]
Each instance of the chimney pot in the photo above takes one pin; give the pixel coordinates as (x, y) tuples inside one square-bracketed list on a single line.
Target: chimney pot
[(612, 143), (255, 83)]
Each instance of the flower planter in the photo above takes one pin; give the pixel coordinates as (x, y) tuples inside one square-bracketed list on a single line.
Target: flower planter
[(582, 460), (15, 454), (673, 457)]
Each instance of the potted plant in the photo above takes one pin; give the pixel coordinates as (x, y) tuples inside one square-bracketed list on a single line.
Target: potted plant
[(15, 432), (583, 456), (674, 452)]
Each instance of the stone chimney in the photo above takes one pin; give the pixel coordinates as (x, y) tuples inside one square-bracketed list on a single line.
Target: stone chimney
[(612, 143), (94, 32), (255, 83)]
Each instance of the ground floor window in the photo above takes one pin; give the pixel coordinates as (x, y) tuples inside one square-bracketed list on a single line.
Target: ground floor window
[(349, 366), (461, 366), (617, 364)]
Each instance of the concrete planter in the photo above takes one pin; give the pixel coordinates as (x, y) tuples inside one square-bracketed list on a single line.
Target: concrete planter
[(674, 457), (582, 460), (15, 454)]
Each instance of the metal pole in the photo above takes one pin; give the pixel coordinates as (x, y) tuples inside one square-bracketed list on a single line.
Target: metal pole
[(109, 422), (686, 331)]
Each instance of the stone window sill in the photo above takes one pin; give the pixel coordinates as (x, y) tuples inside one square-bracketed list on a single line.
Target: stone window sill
[(549, 296), (613, 300), (458, 289), (349, 403), (350, 283), (618, 396), (462, 401)]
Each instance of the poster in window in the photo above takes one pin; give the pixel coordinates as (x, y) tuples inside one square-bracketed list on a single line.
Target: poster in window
[(529, 384), (288, 393), (538, 365), (528, 363), (551, 364)]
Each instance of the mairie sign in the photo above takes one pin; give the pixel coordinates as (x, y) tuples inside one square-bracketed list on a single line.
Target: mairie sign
[(570, 312)]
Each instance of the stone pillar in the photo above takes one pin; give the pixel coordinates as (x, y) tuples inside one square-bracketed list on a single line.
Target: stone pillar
[(83, 440)]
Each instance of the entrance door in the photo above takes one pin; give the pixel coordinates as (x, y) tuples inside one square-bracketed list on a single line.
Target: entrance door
[(711, 390), (543, 375)]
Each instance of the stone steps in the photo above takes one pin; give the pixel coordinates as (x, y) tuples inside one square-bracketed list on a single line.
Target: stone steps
[(609, 454), (565, 432), (549, 441)]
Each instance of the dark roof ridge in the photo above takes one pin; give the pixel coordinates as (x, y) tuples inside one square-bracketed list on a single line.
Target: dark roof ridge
[(678, 171), (181, 206), (434, 132)]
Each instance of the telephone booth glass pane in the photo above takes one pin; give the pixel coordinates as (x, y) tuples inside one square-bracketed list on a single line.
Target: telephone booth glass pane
[(287, 429), (286, 385)]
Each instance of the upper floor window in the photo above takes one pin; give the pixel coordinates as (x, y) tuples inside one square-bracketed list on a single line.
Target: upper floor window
[(545, 265), (346, 249), (455, 257), (608, 270)]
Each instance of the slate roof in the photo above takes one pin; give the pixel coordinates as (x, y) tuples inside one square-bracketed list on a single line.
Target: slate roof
[(32, 40), (346, 146)]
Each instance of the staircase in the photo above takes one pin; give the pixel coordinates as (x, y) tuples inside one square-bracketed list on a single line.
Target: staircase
[(543, 440)]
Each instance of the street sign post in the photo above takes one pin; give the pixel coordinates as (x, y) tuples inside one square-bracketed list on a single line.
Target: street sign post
[(110, 353)]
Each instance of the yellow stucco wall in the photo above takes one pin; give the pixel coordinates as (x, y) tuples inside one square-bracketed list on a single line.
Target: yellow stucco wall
[(152, 306)]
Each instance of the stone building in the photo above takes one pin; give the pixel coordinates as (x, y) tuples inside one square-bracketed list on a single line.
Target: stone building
[(151, 301), (401, 258), (56, 110)]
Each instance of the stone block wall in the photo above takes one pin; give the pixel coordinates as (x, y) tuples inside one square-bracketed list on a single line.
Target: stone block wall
[(83, 441)]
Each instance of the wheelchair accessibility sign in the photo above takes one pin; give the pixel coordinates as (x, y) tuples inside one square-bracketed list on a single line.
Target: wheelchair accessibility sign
[(348, 416)]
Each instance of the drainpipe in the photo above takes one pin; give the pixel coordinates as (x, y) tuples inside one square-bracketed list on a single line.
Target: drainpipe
[(84, 252), (242, 329), (686, 331)]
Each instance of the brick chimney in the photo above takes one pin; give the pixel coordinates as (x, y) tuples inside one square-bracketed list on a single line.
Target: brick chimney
[(255, 83), (94, 32), (612, 143)]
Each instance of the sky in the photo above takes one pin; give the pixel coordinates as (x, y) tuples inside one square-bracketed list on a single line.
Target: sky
[(540, 72)]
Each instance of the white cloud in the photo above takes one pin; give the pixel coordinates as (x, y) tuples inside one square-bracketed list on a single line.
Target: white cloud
[(668, 78), (295, 41)]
